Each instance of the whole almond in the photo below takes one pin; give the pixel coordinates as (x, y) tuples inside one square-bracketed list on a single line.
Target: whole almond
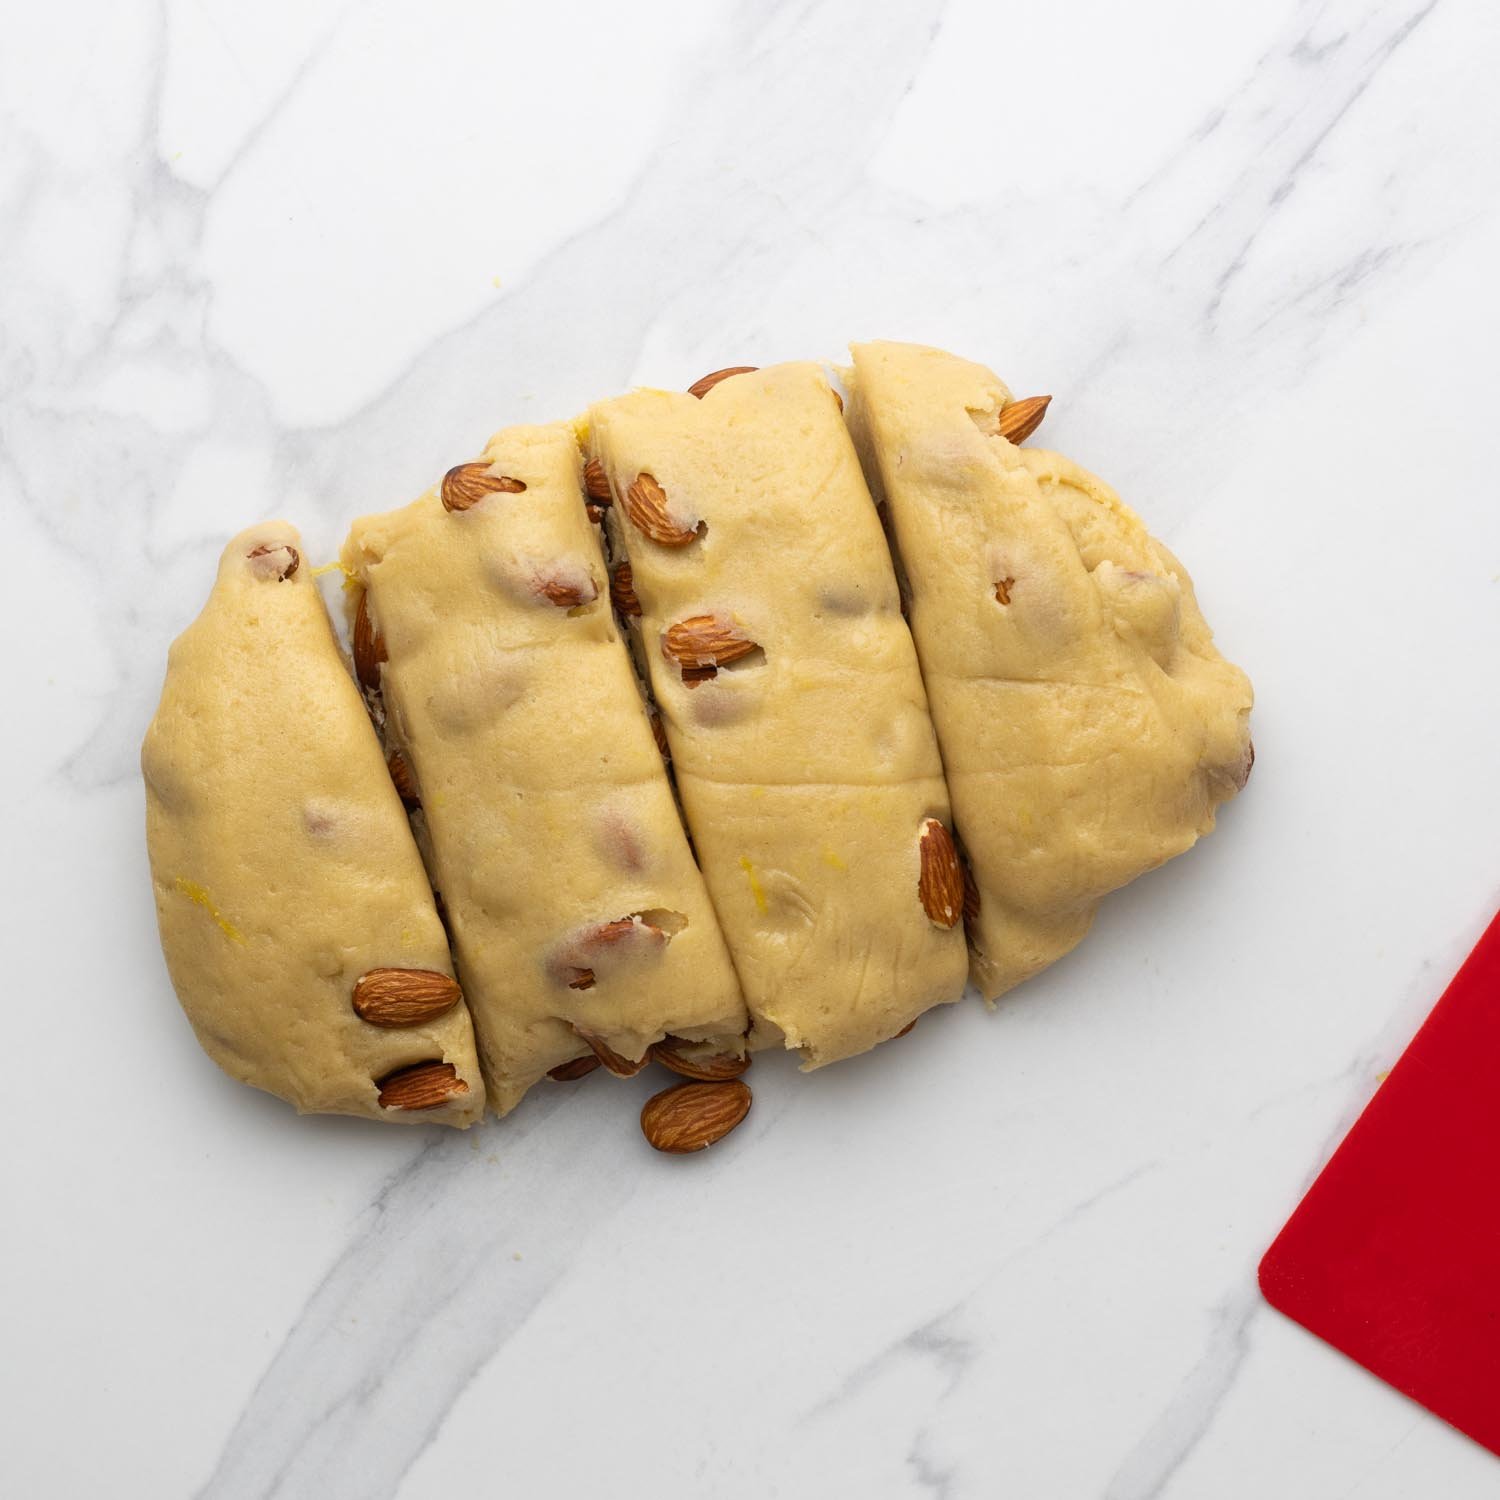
[(701, 644), (274, 560), (940, 885), (622, 590), (404, 997), (404, 778), (566, 592), (596, 483), (425, 1085), (670, 1054), (689, 1116), (620, 1066), (646, 505), (568, 1072), (1021, 418), (700, 388), (368, 646), (465, 485)]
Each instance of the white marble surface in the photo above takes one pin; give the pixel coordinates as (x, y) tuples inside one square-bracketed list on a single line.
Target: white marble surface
[(296, 258)]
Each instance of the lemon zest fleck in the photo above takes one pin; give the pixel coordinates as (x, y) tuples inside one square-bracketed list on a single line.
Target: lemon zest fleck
[(200, 897), (833, 861), (756, 888)]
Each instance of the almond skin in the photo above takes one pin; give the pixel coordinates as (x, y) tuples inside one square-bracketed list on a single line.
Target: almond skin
[(1002, 590), (568, 1072), (659, 734), (368, 646), (940, 884), (689, 1116), (622, 590), (274, 560), (566, 593), (700, 388), (621, 1067), (596, 483), (701, 644), (646, 506), (404, 997), (668, 1052), (465, 485), (404, 778), (1021, 418), (422, 1086)]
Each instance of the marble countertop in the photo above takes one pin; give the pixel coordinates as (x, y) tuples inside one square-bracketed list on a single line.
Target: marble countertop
[(294, 259)]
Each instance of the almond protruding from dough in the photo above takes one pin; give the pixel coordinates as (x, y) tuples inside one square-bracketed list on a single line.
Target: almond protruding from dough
[(368, 646), (670, 1053), (620, 1066), (404, 997), (659, 734), (274, 561), (701, 644), (1003, 586), (646, 505), (596, 483), (700, 388), (404, 778), (568, 1072), (1021, 418), (941, 881), (465, 485), (425, 1085), (689, 1116), (622, 590)]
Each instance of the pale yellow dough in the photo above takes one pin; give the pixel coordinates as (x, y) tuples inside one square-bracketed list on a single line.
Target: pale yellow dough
[(282, 861), (1089, 728), (808, 768), (547, 807)]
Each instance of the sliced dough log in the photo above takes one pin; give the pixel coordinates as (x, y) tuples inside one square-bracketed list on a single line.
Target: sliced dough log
[(284, 869), (550, 825), (807, 766), (1089, 728)]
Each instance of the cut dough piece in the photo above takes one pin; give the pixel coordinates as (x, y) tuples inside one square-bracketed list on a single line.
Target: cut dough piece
[(786, 677), (1089, 728), (550, 826), (284, 869)]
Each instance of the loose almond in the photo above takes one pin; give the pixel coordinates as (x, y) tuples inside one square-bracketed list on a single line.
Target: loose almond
[(700, 388), (670, 1053), (274, 560), (940, 884), (689, 1116), (646, 505), (567, 1072), (701, 644), (404, 778), (426, 1085), (368, 646), (596, 483), (467, 484), (622, 590), (1021, 418), (404, 997), (621, 1067), (566, 592)]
